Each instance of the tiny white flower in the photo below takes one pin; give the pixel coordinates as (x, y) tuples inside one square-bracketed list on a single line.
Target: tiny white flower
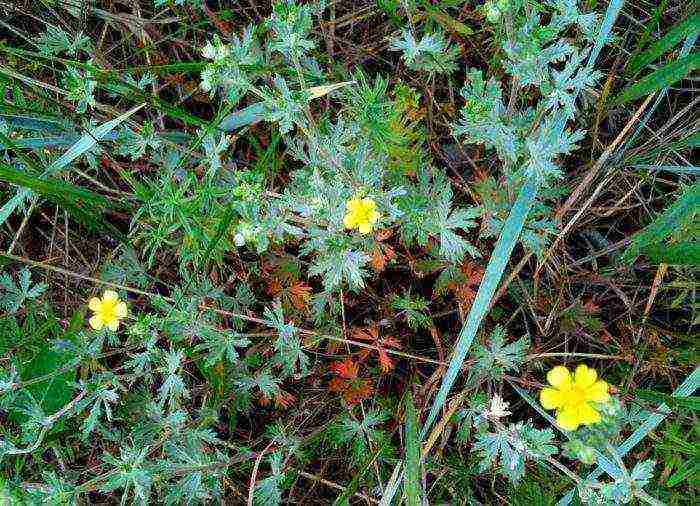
[(208, 51), (498, 408)]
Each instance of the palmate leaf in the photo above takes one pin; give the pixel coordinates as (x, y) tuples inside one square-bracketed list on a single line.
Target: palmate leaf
[(510, 447), (81, 204), (15, 295), (499, 357)]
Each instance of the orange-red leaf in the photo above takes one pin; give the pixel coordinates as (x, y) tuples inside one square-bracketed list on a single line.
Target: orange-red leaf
[(346, 369)]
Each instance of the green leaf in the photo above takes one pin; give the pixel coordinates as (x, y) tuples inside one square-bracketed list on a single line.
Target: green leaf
[(343, 499), (665, 76), (82, 204), (412, 475), (679, 218), (682, 30), (55, 391)]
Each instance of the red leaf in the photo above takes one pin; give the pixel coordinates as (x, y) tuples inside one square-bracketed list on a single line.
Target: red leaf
[(346, 369)]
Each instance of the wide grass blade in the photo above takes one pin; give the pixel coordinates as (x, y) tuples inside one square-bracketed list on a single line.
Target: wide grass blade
[(611, 13), (32, 123), (679, 216), (687, 388), (665, 76), (494, 271), (175, 136), (689, 27), (87, 142), (83, 145), (82, 204), (412, 475), (685, 50)]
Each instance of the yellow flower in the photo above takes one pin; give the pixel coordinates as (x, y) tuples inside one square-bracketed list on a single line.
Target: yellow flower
[(574, 396), (108, 311), (361, 214)]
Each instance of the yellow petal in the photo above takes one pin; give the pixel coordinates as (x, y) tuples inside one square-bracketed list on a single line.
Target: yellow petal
[(368, 204), (120, 310), (365, 228), (587, 414), (598, 392), (95, 304), (113, 325), (551, 398), (96, 322), (110, 296), (352, 204), (349, 221), (374, 216), (584, 376), (559, 377), (568, 419)]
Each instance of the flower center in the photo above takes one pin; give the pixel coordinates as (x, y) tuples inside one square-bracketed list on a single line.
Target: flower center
[(108, 310), (576, 396)]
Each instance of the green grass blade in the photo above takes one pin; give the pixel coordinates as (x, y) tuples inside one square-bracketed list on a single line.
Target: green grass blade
[(12, 204), (82, 204), (676, 169), (687, 388), (685, 50), (255, 113), (175, 136), (494, 271), (412, 475), (678, 217), (689, 27), (32, 123), (683, 253), (87, 142), (246, 116), (665, 76), (611, 13), (84, 144), (344, 498)]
